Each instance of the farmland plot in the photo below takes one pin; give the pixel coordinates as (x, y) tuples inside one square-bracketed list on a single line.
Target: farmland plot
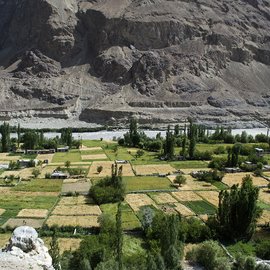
[(210, 196), (265, 218), (153, 169), (264, 195), (162, 198), (183, 210), (94, 157), (77, 210), (80, 186), (17, 222), (183, 196), (136, 201), (33, 213), (237, 178), (43, 157), (74, 221), (74, 200), (2, 211)]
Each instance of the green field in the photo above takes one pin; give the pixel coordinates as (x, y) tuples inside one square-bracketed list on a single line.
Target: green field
[(14, 203), (96, 143), (119, 152), (200, 207), (72, 156), (135, 183), (129, 219), (40, 185), (189, 164)]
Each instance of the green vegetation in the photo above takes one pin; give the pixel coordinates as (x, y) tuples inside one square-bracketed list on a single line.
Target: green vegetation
[(201, 207), (72, 156), (40, 185), (136, 183)]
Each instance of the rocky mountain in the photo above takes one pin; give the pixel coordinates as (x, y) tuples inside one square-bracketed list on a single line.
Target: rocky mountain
[(102, 61)]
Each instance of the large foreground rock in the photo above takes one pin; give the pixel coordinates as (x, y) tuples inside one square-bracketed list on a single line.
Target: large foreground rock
[(25, 251)]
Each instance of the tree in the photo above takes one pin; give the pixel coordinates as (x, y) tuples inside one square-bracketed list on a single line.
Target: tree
[(180, 180), (139, 153), (119, 238), (169, 145), (238, 211), (184, 143), (67, 164), (66, 136), (5, 140), (18, 135), (36, 172), (176, 130), (133, 132), (55, 253), (99, 169), (192, 139), (86, 265), (30, 140)]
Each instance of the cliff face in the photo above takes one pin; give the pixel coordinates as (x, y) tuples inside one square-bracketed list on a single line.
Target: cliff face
[(162, 60)]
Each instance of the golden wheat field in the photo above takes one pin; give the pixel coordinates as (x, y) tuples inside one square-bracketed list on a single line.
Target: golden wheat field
[(17, 222), (264, 195), (7, 158), (154, 169), (33, 213), (93, 157), (77, 210), (183, 210), (24, 173), (237, 178), (163, 198), (186, 196), (138, 200), (265, 218), (85, 148), (193, 184), (43, 157), (210, 196), (74, 221), (106, 168), (2, 211), (74, 200)]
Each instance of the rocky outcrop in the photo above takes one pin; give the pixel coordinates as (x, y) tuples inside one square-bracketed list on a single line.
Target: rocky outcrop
[(163, 60), (25, 251)]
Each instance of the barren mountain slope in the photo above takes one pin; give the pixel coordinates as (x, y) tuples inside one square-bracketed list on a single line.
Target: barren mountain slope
[(101, 61)]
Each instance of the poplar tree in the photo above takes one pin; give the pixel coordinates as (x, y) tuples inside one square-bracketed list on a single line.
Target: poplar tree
[(119, 238), (238, 211), (18, 134), (5, 132), (55, 253)]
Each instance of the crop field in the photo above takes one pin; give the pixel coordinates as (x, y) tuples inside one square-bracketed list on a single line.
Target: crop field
[(33, 213), (264, 195), (210, 196), (162, 198), (91, 149), (43, 157), (77, 210), (153, 169), (74, 221), (184, 196), (6, 157), (265, 218), (40, 185), (106, 169), (189, 164), (200, 207), (2, 211), (17, 222), (115, 152), (193, 184), (74, 200), (4, 239), (79, 185), (24, 173), (72, 156), (146, 183), (183, 210), (136, 201), (190, 170), (236, 178), (94, 157)]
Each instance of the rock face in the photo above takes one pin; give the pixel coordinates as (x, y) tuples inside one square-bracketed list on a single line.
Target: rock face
[(161, 60), (25, 251)]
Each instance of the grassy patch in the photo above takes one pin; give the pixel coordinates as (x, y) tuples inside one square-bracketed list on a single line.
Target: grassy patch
[(200, 207), (264, 206), (121, 153), (13, 204), (40, 185), (246, 249), (72, 156), (219, 185), (96, 143), (189, 164), (133, 245), (146, 183), (129, 219), (92, 152)]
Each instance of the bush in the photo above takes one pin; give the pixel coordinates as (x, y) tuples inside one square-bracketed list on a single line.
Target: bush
[(209, 255), (180, 180), (220, 150), (218, 163), (206, 155), (263, 249), (210, 176), (48, 176)]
